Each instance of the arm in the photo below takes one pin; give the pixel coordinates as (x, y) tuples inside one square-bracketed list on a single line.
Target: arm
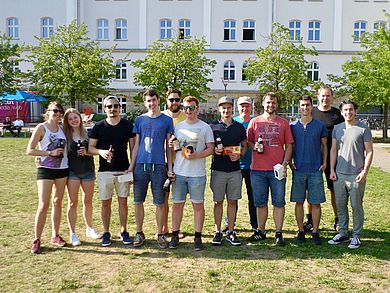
[(131, 147), (134, 153), (361, 177), (168, 153), (37, 135), (287, 154), (209, 150), (324, 151), (105, 154), (333, 159)]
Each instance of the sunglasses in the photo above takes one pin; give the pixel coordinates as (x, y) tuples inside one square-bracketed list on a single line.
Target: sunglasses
[(177, 100), (116, 106), (55, 111), (191, 108)]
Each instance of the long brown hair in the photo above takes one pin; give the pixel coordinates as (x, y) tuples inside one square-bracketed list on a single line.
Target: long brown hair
[(68, 130), (50, 107)]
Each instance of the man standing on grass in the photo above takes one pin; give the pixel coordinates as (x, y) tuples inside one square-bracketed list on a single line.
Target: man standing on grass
[(330, 116), (197, 141), (152, 133), (244, 106), (352, 150), (226, 178), (277, 141), (174, 111), (109, 140), (309, 160)]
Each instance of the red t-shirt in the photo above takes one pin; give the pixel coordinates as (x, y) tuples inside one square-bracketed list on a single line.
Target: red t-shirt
[(276, 133)]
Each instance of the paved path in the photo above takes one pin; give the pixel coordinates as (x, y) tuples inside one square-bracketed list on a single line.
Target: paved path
[(382, 156)]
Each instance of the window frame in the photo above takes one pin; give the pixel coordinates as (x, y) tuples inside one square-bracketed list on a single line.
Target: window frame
[(358, 32), (295, 31), (230, 30), (12, 28), (165, 28), (120, 70), (313, 71), (47, 30), (184, 28), (313, 31), (120, 29), (249, 28), (229, 70), (103, 29)]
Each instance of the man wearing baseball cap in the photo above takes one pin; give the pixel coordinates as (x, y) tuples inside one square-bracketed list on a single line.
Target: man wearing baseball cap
[(226, 178)]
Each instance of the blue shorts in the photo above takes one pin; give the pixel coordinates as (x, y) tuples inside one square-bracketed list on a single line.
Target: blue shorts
[(156, 175), (88, 176), (261, 182), (312, 182), (195, 186)]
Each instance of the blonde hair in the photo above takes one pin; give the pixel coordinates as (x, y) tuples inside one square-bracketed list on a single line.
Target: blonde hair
[(68, 130)]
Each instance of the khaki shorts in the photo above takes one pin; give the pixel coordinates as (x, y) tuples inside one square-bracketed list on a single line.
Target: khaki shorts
[(228, 183), (107, 182)]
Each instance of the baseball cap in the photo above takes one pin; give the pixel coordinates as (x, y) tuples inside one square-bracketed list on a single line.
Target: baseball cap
[(225, 100), (106, 99), (244, 100)]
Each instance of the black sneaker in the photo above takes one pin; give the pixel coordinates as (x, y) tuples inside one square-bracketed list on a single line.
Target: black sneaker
[(232, 238), (279, 239), (125, 237), (338, 239), (257, 236), (106, 239), (174, 242), (307, 226), (217, 240), (224, 230), (316, 238), (301, 237), (198, 243)]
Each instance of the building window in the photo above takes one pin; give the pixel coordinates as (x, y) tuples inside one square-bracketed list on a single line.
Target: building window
[(229, 32), (378, 25), (243, 75), (13, 28), (165, 29), (229, 71), (295, 30), (313, 71), (314, 31), (359, 28), (99, 106), (248, 32), (47, 27), (184, 28), (102, 31), (15, 66), (123, 103), (121, 29), (121, 70)]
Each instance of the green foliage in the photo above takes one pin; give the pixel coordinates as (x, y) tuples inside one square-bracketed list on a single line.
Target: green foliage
[(70, 67), (175, 64), (9, 54), (280, 67)]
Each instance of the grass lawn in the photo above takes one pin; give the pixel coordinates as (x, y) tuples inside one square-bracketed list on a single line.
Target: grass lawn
[(258, 267)]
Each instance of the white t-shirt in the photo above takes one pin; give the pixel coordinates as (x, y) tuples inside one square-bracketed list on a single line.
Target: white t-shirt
[(196, 135)]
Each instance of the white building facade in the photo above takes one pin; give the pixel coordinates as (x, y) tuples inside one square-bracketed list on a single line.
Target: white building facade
[(233, 29)]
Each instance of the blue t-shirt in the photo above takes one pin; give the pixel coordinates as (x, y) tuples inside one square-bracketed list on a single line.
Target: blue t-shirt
[(245, 161), (152, 135), (307, 145)]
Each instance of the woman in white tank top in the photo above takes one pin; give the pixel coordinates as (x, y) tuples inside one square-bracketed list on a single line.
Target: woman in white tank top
[(52, 169)]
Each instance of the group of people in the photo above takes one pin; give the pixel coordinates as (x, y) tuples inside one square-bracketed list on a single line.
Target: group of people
[(169, 149), (12, 126)]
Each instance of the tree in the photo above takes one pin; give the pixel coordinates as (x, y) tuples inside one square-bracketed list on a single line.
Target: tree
[(366, 77), (280, 67), (175, 64), (70, 67), (9, 55)]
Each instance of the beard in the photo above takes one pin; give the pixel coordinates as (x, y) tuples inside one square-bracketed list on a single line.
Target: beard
[(175, 110), (270, 111)]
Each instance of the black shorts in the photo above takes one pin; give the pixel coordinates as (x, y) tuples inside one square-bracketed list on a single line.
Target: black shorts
[(51, 174)]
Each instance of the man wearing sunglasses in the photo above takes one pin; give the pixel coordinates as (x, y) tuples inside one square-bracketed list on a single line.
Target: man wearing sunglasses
[(197, 142), (109, 139), (174, 111)]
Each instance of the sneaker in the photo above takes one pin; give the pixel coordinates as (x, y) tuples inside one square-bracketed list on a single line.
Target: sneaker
[(316, 238), (217, 240), (139, 239), (162, 241), (355, 243), (257, 236), (338, 239), (232, 238), (224, 230), (307, 226), (106, 239), (279, 239), (92, 233), (58, 241), (125, 237), (36, 246), (74, 240), (198, 243), (301, 237), (174, 242)]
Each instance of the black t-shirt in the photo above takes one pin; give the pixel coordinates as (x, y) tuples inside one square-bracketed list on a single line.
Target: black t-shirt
[(231, 135), (116, 135), (80, 165), (330, 119)]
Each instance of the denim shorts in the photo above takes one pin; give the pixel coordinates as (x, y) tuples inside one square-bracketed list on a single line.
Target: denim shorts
[(195, 186), (261, 182), (312, 182), (88, 176), (156, 174)]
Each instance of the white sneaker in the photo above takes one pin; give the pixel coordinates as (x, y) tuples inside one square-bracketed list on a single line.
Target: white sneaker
[(92, 233), (355, 243), (74, 240)]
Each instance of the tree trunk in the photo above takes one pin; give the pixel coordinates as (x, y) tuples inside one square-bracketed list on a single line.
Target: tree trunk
[(385, 119)]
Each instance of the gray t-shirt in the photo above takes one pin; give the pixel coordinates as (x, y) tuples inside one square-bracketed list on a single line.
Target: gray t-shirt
[(350, 147)]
